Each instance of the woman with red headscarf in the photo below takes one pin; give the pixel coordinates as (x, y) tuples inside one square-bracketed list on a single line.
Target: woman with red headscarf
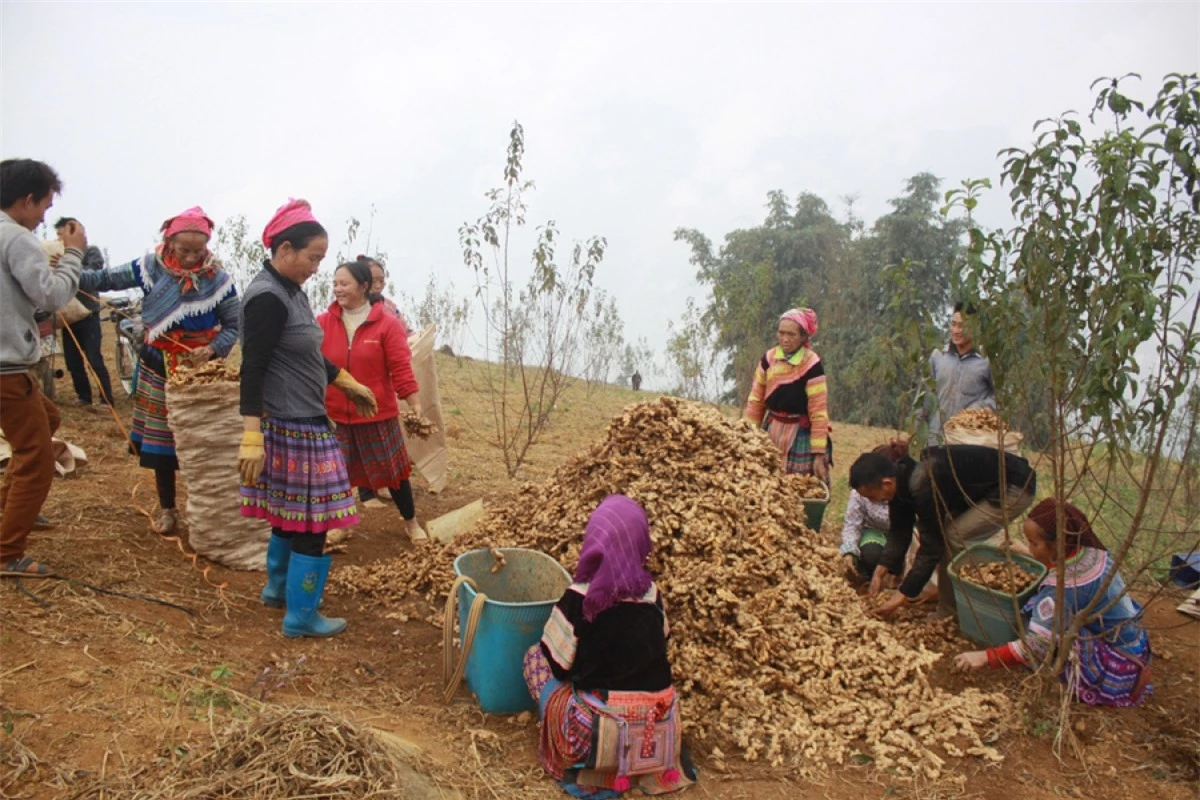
[(788, 397), (600, 673), (191, 314), (293, 472), (1110, 659)]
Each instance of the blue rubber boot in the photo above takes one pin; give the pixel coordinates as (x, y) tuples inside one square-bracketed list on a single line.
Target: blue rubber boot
[(305, 585), (279, 552)]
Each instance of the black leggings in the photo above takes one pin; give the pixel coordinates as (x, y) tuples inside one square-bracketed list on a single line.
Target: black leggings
[(402, 496), (868, 559), (164, 481), (306, 544)]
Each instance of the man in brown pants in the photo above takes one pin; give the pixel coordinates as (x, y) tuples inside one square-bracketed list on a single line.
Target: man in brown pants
[(27, 190)]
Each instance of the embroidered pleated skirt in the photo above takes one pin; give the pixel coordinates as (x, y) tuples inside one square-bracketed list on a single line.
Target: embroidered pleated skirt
[(304, 486)]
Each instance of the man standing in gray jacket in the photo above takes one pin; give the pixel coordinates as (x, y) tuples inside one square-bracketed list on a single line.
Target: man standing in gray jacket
[(28, 419), (963, 375)]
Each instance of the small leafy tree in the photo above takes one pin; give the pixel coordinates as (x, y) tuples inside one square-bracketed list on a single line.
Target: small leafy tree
[(693, 361), (240, 252), (603, 340), (535, 328), (441, 307), (1098, 275), (637, 357)]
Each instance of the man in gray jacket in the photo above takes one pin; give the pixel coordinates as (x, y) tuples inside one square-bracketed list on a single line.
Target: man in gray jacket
[(963, 375), (28, 419)]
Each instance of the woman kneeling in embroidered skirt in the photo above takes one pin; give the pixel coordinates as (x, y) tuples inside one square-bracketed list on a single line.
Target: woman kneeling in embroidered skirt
[(293, 474), (610, 716), (1110, 662)]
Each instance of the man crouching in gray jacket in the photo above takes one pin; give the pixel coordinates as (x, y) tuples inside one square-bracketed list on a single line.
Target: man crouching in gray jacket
[(28, 419)]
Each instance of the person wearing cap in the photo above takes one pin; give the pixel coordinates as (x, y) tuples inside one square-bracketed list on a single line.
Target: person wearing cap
[(191, 314), (293, 472), (788, 399)]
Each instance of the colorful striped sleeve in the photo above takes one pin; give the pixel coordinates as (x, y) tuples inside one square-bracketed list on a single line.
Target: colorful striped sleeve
[(756, 402), (818, 413)]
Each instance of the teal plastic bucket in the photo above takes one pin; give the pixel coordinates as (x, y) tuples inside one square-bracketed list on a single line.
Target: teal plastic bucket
[(989, 617), (814, 513), (520, 596)]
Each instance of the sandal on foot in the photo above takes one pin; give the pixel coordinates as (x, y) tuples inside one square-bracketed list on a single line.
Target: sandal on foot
[(164, 524), (415, 532), (24, 567)]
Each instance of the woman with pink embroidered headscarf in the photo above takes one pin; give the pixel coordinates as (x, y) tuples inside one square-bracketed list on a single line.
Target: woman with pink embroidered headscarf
[(788, 398), (191, 314), (603, 656), (293, 472)]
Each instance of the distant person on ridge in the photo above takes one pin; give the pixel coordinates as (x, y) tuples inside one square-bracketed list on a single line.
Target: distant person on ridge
[(635, 380)]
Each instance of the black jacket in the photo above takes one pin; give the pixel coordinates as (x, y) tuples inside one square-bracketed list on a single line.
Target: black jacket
[(944, 485)]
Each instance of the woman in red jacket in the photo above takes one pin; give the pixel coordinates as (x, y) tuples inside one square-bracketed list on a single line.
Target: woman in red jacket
[(372, 345)]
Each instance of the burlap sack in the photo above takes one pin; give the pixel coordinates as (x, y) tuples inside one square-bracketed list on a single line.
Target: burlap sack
[(429, 455), (208, 430), (1011, 441), (73, 311)]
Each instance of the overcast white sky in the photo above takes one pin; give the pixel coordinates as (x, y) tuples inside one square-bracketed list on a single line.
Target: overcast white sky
[(638, 118)]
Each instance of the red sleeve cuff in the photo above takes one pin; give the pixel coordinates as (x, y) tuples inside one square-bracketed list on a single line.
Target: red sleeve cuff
[(1003, 656)]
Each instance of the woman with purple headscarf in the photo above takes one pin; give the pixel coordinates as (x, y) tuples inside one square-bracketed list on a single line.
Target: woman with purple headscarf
[(788, 396), (600, 673)]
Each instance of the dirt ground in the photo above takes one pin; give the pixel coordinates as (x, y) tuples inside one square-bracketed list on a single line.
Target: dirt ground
[(96, 686)]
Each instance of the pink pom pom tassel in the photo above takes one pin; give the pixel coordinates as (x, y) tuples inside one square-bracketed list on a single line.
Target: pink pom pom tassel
[(621, 784), (671, 776)]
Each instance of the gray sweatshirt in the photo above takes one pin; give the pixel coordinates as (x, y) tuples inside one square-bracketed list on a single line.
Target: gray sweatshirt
[(963, 381), (27, 282)]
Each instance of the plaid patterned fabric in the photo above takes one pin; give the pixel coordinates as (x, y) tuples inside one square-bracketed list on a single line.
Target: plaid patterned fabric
[(792, 434), (375, 453), (304, 487)]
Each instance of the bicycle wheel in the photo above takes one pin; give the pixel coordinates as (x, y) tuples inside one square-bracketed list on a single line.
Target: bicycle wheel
[(126, 362)]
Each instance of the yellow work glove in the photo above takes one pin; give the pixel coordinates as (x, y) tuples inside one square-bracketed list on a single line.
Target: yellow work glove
[(361, 396), (251, 457)]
